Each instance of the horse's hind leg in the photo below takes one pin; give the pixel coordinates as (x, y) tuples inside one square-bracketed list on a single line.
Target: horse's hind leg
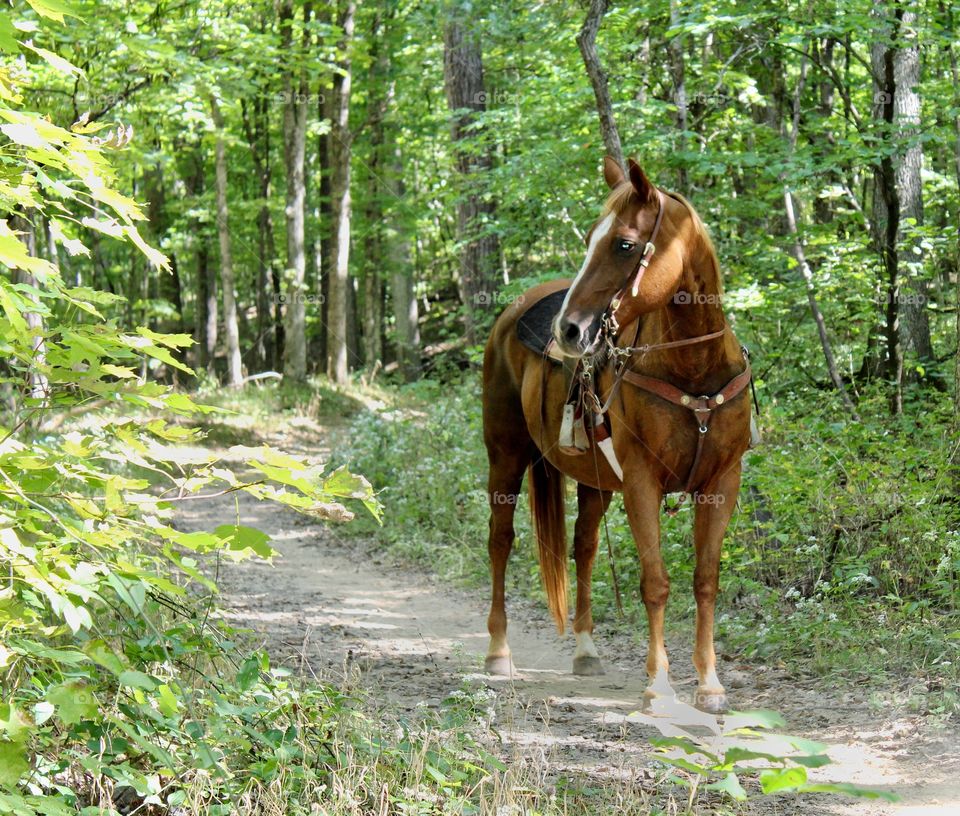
[(508, 460), (710, 523), (592, 504)]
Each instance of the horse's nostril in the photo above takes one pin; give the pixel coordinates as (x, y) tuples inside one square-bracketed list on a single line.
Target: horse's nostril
[(571, 332)]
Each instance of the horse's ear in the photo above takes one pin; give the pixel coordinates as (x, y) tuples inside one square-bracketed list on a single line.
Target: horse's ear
[(640, 182), (612, 171)]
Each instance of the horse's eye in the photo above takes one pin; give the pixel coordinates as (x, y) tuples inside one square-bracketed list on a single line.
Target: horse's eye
[(623, 245)]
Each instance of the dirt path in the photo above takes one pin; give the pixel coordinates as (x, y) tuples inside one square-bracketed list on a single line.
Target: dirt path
[(327, 606)]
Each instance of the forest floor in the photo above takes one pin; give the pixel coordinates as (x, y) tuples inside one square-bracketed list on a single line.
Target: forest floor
[(329, 607)]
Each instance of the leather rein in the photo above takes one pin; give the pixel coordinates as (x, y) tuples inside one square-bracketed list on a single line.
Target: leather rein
[(702, 406)]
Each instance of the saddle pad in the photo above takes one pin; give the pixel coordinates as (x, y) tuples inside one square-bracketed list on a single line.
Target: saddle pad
[(534, 328)]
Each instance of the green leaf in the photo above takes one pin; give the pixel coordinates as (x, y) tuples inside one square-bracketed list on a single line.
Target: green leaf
[(103, 655), (167, 701), (761, 718), (137, 679), (731, 786), (11, 723), (74, 702), (53, 9), (249, 673), (850, 790), (242, 538), (775, 781), (13, 763)]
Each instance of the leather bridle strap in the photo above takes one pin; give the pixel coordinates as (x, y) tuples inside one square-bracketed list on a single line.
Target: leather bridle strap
[(702, 407), (671, 393), (689, 341), (633, 282)]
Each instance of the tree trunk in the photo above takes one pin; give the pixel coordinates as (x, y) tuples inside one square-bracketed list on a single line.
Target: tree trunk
[(294, 151), (678, 77), (37, 384), (906, 117), (257, 130), (955, 74), (231, 329), (337, 304), (801, 258), (885, 204), (406, 313), (378, 105), (587, 43), (463, 80)]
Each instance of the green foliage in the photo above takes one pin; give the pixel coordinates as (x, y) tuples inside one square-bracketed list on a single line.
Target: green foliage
[(716, 754), (118, 681), (831, 550)]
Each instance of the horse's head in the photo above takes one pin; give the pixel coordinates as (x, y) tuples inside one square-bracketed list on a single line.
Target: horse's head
[(615, 246)]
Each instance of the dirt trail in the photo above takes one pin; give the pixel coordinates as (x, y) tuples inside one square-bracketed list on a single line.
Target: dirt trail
[(327, 604)]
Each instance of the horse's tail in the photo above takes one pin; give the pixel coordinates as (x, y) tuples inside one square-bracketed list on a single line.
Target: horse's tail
[(549, 526)]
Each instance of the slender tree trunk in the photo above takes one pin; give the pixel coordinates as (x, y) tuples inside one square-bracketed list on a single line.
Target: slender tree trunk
[(294, 150), (206, 311), (815, 312), (906, 117), (801, 257), (257, 130), (323, 257), (406, 313), (886, 207), (463, 79), (955, 74), (678, 76), (37, 384), (587, 42), (373, 290), (338, 304), (231, 328)]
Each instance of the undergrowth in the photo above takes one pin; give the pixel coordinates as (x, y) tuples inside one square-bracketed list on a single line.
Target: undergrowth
[(842, 559)]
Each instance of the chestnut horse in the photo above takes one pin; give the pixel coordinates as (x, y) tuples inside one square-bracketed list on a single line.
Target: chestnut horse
[(666, 437)]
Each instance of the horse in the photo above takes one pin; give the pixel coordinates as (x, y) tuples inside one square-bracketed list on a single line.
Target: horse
[(644, 314)]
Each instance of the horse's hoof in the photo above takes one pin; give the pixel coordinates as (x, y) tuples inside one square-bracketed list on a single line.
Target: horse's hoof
[(587, 666), (713, 702), (500, 665)]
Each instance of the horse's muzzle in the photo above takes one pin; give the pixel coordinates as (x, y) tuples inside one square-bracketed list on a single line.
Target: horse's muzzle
[(578, 333)]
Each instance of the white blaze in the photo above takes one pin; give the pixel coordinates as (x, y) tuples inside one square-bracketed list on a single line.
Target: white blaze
[(602, 229)]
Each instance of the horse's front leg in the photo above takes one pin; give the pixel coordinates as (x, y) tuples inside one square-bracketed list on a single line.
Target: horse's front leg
[(713, 511), (641, 499)]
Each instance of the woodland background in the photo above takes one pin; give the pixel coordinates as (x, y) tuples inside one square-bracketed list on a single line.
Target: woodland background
[(204, 194)]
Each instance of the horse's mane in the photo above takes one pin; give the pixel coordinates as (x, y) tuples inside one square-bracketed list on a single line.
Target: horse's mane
[(624, 194)]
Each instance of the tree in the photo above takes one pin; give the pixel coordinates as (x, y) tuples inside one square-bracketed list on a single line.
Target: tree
[(587, 42), (338, 304), (467, 97), (231, 330), (296, 94)]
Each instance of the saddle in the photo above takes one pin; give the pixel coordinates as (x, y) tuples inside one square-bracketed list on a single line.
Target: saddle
[(583, 422), (535, 326)]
